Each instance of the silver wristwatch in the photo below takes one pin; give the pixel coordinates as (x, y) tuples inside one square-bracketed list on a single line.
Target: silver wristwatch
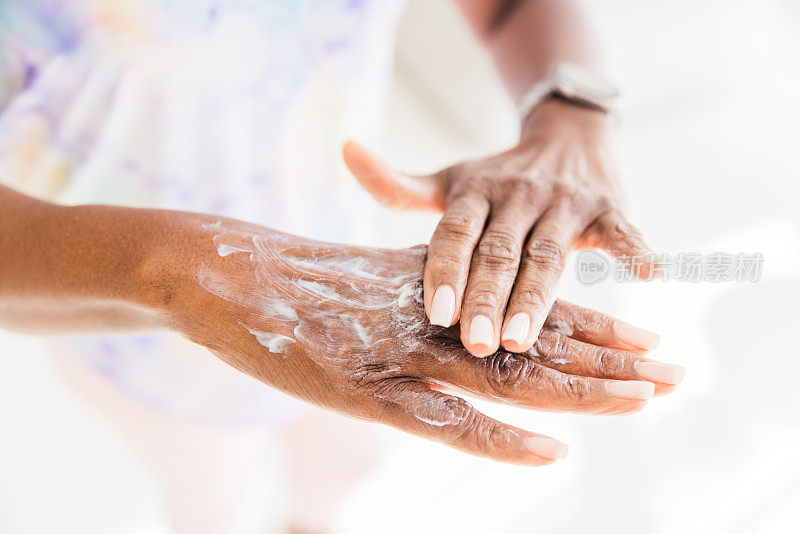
[(575, 84)]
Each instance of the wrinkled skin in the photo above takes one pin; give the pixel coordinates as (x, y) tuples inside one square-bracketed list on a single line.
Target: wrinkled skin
[(345, 328), (509, 221)]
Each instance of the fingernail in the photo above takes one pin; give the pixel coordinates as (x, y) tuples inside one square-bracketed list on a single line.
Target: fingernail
[(443, 305), (546, 447), (636, 336), (517, 329), (663, 373), (481, 331), (630, 389)]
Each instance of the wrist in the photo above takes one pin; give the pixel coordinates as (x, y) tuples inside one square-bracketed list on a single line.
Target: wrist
[(113, 254), (560, 114), (180, 247), (174, 244)]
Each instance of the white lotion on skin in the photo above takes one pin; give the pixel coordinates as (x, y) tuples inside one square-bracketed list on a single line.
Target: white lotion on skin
[(441, 410), (561, 326), (297, 285), (224, 249), (275, 343)]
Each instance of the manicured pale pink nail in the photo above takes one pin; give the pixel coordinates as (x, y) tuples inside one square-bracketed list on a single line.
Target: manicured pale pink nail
[(664, 373), (636, 336), (443, 306), (546, 447), (630, 389), (517, 329), (481, 331)]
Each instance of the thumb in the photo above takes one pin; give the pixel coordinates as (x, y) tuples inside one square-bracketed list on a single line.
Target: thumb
[(389, 187)]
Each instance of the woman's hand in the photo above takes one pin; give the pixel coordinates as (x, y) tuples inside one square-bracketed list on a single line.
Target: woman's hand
[(509, 221), (344, 328)]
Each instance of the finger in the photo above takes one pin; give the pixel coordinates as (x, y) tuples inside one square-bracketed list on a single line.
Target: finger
[(519, 380), (574, 357), (453, 421), (598, 328), (624, 407), (664, 389), (449, 256), (613, 233), (492, 273), (543, 260), (393, 189)]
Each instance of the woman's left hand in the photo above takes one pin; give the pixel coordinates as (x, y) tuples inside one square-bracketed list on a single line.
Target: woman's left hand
[(509, 221)]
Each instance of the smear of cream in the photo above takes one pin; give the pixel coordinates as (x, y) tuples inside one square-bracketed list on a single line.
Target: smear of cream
[(224, 249), (275, 343), (436, 409), (362, 332), (284, 286), (560, 326), (406, 294), (273, 306)]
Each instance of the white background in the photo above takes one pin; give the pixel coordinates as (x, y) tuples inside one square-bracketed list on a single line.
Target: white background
[(709, 151)]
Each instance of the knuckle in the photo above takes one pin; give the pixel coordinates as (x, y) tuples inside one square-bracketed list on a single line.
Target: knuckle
[(546, 254), (568, 309), (584, 197), (556, 349), (481, 297), (496, 437), (504, 370), (446, 410), (559, 325), (585, 315), (587, 200), (367, 373), (545, 344), (459, 225), (484, 435), (532, 296), (588, 321), (442, 417), (464, 426), (574, 388), (498, 249), (561, 346), (572, 198), (521, 187), (466, 181), (609, 363), (534, 373)]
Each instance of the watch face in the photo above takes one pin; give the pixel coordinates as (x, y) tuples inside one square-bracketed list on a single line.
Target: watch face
[(578, 83)]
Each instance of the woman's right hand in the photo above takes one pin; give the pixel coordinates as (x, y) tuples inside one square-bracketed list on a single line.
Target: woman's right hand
[(344, 328)]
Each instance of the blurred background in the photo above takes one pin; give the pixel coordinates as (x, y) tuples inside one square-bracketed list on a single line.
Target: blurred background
[(709, 155)]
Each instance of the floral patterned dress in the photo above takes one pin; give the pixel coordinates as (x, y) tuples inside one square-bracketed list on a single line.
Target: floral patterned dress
[(230, 107)]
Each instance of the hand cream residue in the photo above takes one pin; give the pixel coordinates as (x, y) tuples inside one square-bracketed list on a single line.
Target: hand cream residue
[(275, 343), (332, 300)]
